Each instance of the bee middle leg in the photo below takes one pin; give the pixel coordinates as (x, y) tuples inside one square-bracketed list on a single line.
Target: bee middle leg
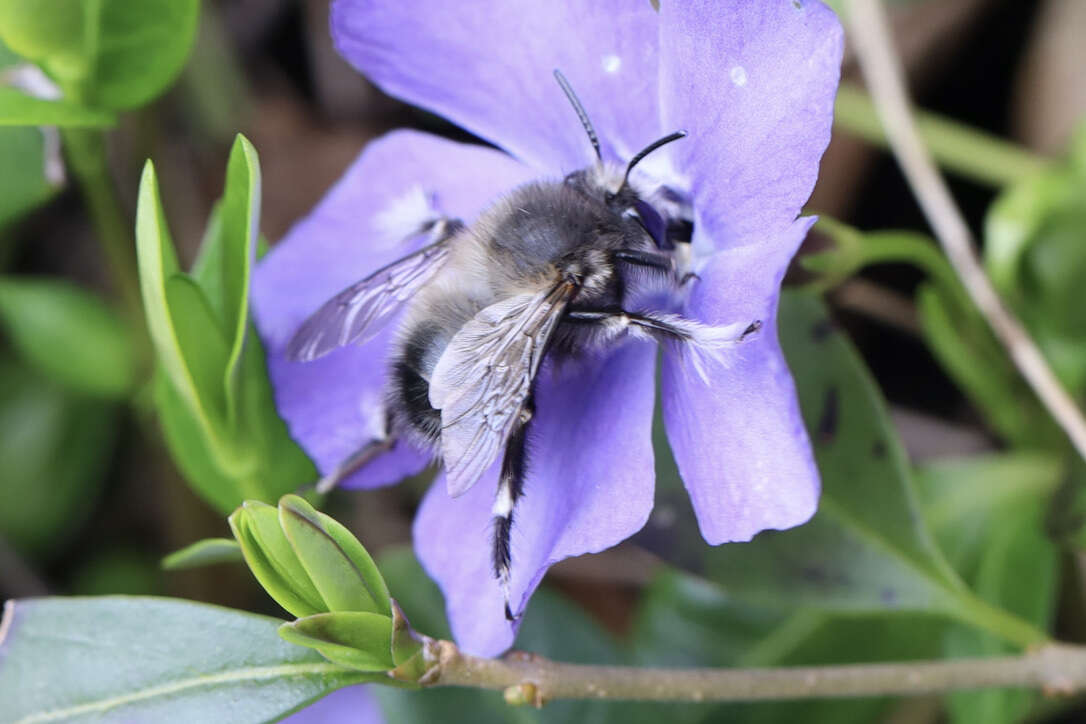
[(510, 489), (608, 324), (355, 462)]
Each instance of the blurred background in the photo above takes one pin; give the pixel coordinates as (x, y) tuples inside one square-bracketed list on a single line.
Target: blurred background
[(90, 499)]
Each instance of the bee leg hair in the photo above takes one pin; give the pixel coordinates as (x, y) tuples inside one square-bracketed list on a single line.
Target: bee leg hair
[(510, 489)]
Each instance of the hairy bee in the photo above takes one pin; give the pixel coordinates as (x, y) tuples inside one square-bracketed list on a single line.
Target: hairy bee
[(555, 268)]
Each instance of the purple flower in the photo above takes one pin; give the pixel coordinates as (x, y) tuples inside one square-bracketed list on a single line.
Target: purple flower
[(753, 84), (349, 705)]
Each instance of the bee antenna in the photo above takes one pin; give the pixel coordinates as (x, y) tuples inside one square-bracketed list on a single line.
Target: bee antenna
[(576, 103), (649, 149)]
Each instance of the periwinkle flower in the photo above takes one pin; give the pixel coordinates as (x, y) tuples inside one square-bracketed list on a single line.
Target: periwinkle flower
[(349, 705), (752, 83)]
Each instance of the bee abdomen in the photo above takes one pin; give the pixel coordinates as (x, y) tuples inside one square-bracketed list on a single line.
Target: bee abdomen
[(409, 392)]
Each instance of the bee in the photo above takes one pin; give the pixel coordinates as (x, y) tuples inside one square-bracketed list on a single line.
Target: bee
[(556, 269)]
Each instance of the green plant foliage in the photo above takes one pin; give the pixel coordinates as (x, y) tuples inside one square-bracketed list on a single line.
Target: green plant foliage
[(307, 561), (356, 639), (55, 449), (122, 658), (110, 54), (337, 564), (206, 552), (685, 621), (959, 338), (118, 571), (965, 347), (68, 334), (213, 395), (1035, 234), (23, 184), (19, 109), (988, 515)]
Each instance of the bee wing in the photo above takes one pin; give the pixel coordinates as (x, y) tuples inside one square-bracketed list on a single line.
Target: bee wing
[(357, 313), (484, 376)]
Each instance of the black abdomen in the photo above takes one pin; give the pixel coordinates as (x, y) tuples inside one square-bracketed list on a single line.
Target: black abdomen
[(409, 395)]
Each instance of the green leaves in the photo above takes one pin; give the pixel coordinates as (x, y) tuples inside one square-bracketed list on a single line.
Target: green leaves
[(55, 449), (1034, 240), (19, 109), (958, 336), (988, 515), (149, 659), (204, 552), (107, 54), (212, 394), (68, 334), (346, 638), (315, 569), (307, 561)]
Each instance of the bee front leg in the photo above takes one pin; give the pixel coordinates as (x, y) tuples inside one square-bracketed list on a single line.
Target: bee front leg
[(510, 489)]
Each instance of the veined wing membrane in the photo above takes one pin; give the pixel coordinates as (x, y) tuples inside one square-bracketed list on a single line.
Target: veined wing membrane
[(357, 313), (484, 376)]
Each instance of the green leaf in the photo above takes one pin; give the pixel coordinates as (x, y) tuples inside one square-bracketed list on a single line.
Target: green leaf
[(685, 621), (284, 590), (1035, 237), (283, 466), (358, 639), (56, 450), (338, 565), (988, 513), (69, 334), (114, 54), (965, 347), (206, 552), (190, 451), (152, 659), (217, 405), (190, 347), (867, 549), (200, 342), (48, 32), (23, 185), (117, 571), (265, 527), (234, 246), (19, 109), (142, 45)]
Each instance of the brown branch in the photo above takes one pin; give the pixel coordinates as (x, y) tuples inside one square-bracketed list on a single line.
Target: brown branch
[(870, 37), (530, 679)]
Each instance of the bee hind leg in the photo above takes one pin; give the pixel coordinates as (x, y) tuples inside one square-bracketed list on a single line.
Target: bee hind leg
[(510, 489)]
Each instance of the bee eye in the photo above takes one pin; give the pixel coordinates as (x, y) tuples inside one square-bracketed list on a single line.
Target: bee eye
[(653, 224)]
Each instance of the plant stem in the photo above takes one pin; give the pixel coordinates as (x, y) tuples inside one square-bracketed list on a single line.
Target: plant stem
[(882, 69), (1054, 668), (86, 152), (956, 146)]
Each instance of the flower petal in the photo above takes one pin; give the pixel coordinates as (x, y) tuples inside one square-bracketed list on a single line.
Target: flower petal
[(753, 83), (349, 705), (740, 442), (334, 405), (487, 66), (589, 486)]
